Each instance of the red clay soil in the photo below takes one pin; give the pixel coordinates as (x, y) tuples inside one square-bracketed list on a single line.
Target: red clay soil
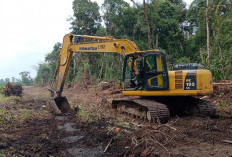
[(28, 129)]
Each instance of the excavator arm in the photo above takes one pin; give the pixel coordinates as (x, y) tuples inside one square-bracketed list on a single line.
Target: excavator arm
[(83, 43)]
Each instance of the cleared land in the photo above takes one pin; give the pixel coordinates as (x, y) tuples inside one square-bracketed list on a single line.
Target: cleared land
[(27, 128)]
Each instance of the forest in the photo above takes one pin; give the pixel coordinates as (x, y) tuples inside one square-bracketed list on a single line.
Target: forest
[(168, 25), (102, 120)]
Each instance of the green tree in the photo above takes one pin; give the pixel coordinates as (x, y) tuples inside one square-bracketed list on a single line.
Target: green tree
[(221, 43), (86, 18), (113, 16), (45, 71), (178, 31), (43, 74), (166, 19), (220, 15), (196, 29), (2, 81), (26, 78), (51, 60), (7, 80)]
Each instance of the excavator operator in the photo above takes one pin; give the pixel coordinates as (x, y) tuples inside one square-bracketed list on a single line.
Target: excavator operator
[(139, 71)]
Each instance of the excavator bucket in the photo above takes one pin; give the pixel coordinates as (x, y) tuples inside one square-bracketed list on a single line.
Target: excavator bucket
[(62, 104)]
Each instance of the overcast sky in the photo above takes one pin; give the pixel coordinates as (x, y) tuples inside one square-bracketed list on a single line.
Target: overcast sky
[(28, 31)]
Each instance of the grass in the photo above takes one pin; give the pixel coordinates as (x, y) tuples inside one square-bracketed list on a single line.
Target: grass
[(223, 103), (11, 116), (3, 99), (2, 155), (7, 114), (118, 135), (83, 113), (223, 109), (3, 115), (1, 87), (123, 124), (25, 114), (86, 116), (11, 99)]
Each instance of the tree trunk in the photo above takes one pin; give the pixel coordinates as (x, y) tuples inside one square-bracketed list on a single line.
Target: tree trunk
[(100, 73), (221, 57), (157, 41), (74, 66), (207, 29), (135, 3), (202, 56), (147, 23)]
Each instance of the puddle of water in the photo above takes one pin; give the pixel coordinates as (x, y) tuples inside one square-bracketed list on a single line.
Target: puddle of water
[(85, 152), (72, 139), (68, 127)]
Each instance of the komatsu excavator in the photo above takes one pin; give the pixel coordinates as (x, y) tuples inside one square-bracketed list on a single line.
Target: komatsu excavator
[(162, 92)]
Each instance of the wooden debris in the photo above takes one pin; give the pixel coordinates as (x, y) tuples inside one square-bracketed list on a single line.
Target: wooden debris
[(227, 141), (106, 85), (116, 91), (12, 90), (147, 151), (116, 130), (107, 146), (171, 127), (215, 84)]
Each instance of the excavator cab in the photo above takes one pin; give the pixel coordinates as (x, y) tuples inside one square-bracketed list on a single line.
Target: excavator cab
[(145, 71)]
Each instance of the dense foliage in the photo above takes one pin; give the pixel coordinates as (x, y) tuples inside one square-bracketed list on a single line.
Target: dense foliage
[(175, 29)]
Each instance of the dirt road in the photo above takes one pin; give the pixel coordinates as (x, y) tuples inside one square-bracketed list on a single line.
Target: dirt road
[(28, 129)]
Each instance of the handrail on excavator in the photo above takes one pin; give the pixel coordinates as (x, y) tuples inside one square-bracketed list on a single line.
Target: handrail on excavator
[(91, 37)]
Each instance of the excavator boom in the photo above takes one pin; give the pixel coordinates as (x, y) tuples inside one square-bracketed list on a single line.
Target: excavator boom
[(83, 43)]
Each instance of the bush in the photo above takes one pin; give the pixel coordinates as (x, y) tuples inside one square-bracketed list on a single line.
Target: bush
[(1, 87)]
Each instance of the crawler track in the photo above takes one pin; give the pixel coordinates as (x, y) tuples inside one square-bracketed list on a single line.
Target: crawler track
[(142, 108), (187, 105), (161, 108), (205, 107)]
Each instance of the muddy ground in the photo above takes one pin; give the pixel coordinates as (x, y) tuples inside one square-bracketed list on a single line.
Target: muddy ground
[(27, 128)]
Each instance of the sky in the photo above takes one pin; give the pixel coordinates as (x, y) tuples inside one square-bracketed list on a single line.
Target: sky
[(28, 31)]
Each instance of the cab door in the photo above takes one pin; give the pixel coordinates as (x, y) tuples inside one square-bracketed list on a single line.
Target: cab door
[(155, 71)]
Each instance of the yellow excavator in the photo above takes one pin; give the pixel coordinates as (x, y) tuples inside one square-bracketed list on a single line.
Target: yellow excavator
[(162, 92)]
